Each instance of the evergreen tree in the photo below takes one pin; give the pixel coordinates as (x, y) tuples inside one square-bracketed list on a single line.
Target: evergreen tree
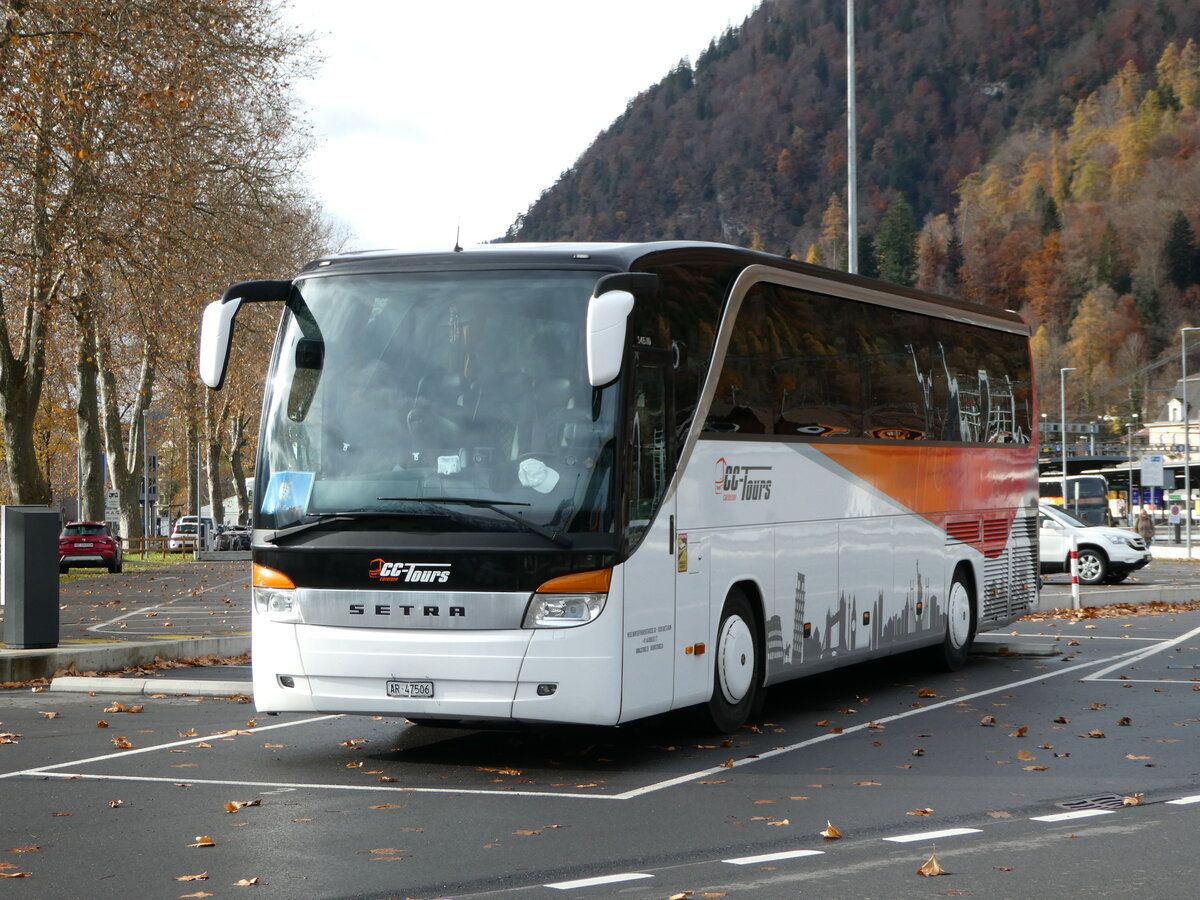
[(896, 245), (867, 264), (1180, 252), (1111, 267)]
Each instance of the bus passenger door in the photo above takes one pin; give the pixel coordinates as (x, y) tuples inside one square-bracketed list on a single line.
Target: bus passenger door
[(648, 633)]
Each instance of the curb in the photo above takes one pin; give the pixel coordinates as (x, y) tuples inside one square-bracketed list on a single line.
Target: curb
[(26, 665), (149, 686)]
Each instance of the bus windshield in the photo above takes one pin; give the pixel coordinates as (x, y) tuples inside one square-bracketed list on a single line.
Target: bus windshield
[(462, 396)]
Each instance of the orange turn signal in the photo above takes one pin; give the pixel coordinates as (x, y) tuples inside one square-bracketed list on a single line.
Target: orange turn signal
[(595, 582), (269, 578)]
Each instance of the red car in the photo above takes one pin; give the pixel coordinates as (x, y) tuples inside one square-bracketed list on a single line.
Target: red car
[(89, 544)]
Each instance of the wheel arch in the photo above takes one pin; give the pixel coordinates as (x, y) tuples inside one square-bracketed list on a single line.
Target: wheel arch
[(753, 593)]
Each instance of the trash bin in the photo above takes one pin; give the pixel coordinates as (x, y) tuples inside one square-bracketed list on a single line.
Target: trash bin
[(30, 583)]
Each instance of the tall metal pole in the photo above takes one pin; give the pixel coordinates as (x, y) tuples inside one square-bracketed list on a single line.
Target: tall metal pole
[(145, 486), (1187, 442), (851, 149), (1129, 428), (1062, 405)]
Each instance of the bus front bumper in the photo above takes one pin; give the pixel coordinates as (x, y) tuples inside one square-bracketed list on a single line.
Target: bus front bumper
[(524, 675)]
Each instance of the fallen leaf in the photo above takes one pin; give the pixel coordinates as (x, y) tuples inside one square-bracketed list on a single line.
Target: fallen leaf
[(926, 692), (919, 812), (931, 868), (1125, 720), (197, 894), (829, 832), (246, 882), (1094, 733), (527, 832), (113, 804), (1025, 756), (1062, 720), (682, 895), (1135, 756), (203, 876), (1135, 800), (389, 806), (203, 840), (101, 724), (728, 764), (26, 849), (234, 805), (1020, 732), (1035, 768), (122, 743), (868, 784), (999, 814), (50, 715), (191, 732), (778, 822), (15, 874), (987, 720)]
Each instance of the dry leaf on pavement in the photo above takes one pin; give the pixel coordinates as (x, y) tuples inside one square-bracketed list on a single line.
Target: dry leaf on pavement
[(932, 867)]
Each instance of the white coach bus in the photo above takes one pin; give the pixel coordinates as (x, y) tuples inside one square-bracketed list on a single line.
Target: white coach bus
[(591, 483)]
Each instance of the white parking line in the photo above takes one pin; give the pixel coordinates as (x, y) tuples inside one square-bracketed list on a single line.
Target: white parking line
[(1067, 816), (1138, 657), (187, 742), (772, 857), (597, 882), (1117, 661), (828, 736), (1183, 801), (931, 835)]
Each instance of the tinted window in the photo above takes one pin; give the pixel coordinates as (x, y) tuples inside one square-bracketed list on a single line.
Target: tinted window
[(816, 366)]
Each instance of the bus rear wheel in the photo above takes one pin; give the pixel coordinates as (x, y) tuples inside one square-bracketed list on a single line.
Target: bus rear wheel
[(961, 623), (737, 665)]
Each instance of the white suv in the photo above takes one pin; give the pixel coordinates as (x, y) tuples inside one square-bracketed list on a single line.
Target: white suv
[(1106, 555)]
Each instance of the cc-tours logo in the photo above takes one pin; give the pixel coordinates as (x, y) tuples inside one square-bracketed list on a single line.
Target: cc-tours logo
[(741, 482), (381, 570)]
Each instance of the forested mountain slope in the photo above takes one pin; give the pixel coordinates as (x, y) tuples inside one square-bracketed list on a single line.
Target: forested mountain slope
[(1043, 148)]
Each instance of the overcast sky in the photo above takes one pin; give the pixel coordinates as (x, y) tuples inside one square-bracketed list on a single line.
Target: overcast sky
[(431, 114)]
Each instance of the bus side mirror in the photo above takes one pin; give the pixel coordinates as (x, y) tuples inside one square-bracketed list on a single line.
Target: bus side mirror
[(216, 333), (606, 319), (216, 324)]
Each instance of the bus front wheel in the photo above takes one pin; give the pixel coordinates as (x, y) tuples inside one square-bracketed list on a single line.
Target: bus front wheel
[(737, 665), (961, 622)]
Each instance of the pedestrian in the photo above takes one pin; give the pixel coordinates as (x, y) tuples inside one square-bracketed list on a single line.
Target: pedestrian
[(1145, 527)]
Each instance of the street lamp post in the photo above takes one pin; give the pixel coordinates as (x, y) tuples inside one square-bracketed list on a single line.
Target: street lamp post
[(1187, 441), (1129, 426), (1062, 405)]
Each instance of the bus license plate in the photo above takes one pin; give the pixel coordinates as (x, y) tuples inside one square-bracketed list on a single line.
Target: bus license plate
[(422, 689)]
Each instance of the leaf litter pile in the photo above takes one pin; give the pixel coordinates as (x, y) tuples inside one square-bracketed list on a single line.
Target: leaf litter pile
[(1115, 611)]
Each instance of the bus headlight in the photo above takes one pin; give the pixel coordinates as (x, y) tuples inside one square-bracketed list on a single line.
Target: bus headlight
[(563, 610), (569, 601), (277, 605), (275, 596)]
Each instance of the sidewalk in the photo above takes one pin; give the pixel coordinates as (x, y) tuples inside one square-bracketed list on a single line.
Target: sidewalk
[(110, 622)]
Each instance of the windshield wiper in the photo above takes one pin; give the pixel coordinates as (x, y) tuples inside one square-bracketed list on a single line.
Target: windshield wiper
[(326, 518), (496, 506)]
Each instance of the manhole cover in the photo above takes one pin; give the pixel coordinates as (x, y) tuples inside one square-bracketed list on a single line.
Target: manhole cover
[(1100, 801)]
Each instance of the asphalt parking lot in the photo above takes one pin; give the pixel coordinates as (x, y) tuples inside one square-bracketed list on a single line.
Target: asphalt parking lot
[(901, 761)]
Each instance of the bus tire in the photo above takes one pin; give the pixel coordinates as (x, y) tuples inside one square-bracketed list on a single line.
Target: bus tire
[(737, 665), (962, 619)]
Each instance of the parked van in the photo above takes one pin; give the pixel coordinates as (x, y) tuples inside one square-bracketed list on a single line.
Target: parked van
[(1106, 555)]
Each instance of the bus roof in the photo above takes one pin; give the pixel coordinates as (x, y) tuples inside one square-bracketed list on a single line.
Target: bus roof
[(618, 257)]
